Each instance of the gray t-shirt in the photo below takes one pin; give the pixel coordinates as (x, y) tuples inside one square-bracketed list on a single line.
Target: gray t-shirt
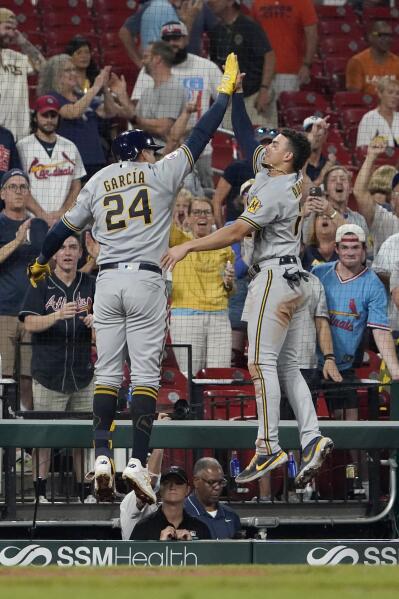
[(130, 206), (274, 212), (165, 101)]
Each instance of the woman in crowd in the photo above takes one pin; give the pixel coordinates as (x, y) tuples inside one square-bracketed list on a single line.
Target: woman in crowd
[(321, 245), (383, 121), (79, 49), (80, 112)]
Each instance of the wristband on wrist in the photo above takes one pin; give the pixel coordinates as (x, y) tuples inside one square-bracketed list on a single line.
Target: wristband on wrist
[(334, 214), (264, 85), (329, 357)]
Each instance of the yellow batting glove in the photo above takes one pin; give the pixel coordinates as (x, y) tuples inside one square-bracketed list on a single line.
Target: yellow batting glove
[(231, 72), (37, 272)]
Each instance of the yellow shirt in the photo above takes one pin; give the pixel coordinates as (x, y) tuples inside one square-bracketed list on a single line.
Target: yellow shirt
[(198, 279)]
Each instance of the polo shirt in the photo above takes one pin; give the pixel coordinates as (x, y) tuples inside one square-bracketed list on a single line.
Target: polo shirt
[(150, 529), (225, 525)]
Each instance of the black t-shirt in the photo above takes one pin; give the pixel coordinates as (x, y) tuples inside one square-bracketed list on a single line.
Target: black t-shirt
[(9, 157), (314, 171), (150, 528), (312, 257), (247, 39), (236, 174), (61, 354), (13, 279)]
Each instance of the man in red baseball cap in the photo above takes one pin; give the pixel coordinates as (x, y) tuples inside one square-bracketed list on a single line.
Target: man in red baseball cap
[(53, 162)]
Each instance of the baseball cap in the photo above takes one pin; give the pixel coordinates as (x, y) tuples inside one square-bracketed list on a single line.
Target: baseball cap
[(46, 103), (175, 471), (395, 181), (310, 121), (173, 29), (354, 231), (14, 172), (6, 15)]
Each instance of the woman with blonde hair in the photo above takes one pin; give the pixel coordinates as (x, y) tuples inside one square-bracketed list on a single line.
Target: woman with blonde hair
[(80, 113), (380, 185), (383, 121)]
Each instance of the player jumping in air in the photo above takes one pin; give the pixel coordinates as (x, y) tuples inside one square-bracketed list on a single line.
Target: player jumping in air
[(130, 205), (275, 294)]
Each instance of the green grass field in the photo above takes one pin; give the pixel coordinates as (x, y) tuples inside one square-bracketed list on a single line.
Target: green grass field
[(213, 582)]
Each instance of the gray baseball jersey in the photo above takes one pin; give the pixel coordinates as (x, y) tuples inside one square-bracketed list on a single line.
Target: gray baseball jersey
[(130, 205), (274, 212)]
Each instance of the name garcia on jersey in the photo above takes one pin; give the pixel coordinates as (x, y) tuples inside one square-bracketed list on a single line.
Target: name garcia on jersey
[(131, 178)]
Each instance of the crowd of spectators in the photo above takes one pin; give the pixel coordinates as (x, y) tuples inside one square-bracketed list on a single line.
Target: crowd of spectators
[(55, 135)]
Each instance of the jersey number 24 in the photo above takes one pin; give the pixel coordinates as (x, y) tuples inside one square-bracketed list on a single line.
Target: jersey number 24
[(140, 207)]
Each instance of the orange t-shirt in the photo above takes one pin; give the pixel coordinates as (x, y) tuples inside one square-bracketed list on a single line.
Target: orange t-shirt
[(362, 72), (283, 22)]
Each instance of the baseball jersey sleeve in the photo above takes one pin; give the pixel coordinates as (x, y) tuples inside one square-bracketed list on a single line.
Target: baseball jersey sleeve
[(80, 214), (378, 305), (80, 170), (260, 213), (173, 168), (33, 303)]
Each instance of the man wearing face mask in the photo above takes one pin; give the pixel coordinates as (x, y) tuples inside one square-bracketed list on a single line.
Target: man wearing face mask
[(199, 78)]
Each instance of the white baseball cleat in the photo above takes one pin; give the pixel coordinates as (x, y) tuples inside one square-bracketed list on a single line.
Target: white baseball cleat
[(139, 481), (104, 480)]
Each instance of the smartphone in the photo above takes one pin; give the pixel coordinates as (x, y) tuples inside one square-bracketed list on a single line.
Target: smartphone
[(316, 191)]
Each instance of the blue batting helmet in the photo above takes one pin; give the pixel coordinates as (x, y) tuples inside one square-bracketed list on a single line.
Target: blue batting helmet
[(129, 144)]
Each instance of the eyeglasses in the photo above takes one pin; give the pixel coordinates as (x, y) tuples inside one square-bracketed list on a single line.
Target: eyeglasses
[(381, 34), (23, 188), (395, 193), (198, 212), (221, 482), (265, 132)]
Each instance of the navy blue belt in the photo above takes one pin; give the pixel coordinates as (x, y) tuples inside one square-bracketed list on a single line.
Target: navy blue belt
[(141, 266)]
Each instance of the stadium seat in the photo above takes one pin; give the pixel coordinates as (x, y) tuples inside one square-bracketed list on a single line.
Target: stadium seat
[(237, 374), (294, 117), (335, 137), (334, 67), (342, 46), (70, 19), (61, 37), (317, 83), (344, 99), (77, 6), (108, 6), (342, 154), (352, 116), (226, 404), (337, 27), (108, 22), (390, 156), (341, 13), (224, 150), (380, 13), (27, 23), (313, 101)]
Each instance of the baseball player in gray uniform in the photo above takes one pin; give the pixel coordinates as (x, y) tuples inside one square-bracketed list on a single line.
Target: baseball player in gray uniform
[(275, 295), (130, 205)]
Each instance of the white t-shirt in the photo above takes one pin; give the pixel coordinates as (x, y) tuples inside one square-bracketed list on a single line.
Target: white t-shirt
[(372, 124), (130, 514), (50, 178), (200, 78), (385, 262), (384, 225), (14, 97)]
